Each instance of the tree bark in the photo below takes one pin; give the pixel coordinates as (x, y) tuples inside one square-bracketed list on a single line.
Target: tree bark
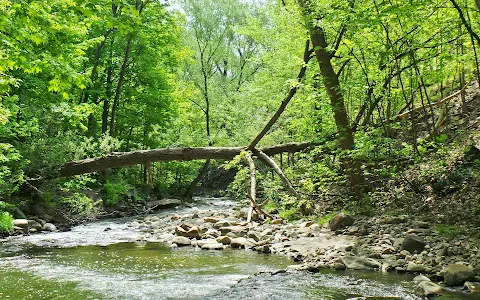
[(118, 91), (120, 159), (269, 161), (252, 194), (333, 89)]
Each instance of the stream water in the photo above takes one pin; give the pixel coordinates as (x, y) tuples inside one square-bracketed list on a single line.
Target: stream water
[(105, 260)]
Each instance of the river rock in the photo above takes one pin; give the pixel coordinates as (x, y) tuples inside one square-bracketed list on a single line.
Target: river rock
[(414, 268), (256, 236), (428, 289), (240, 243), (412, 243), (265, 249), (224, 223), (225, 240), (360, 263), (307, 224), (472, 287), (38, 220), (50, 227), (476, 271), (420, 278), (22, 223), (277, 222), (456, 274), (163, 203), (239, 231), (387, 267), (213, 246), (34, 224), (181, 241), (211, 219), (187, 230), (211, 233), (340, 221)]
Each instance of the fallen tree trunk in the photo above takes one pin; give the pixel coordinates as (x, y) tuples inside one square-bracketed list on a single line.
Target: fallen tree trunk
[(252, 194), (121, 159), (268, 160), (293, 90)]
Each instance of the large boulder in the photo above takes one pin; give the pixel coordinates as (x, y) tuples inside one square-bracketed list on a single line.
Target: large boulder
[(181, 241), (163, 203), (22, 223), (456, 275), (412, 243), (360, 263), (428, 289), (187, 230), (49, 227), (340, 221)]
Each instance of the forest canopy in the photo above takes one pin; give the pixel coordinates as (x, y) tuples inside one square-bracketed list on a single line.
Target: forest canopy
[(365, 82)]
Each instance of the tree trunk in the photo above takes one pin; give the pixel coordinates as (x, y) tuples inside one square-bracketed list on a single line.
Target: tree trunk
[(120, 159), (193, 185), (252, 194), (118, 91), (333, 89), (286, 100), (269, 161)]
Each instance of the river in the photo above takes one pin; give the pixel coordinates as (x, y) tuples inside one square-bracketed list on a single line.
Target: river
[(108, 260)]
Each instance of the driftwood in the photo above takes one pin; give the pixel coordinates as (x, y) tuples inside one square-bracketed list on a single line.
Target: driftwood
[(252, 194)]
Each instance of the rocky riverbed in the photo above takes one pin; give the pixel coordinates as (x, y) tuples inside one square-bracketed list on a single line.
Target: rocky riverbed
[(382, 244)]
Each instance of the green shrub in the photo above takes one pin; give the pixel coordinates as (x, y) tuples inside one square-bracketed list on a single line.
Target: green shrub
[(290, 214), (113, 192), (6, 224), (78, 206)]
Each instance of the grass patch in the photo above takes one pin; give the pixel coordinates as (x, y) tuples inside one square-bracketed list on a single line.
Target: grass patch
[(321, 220), (290, 214), (449, 230)]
